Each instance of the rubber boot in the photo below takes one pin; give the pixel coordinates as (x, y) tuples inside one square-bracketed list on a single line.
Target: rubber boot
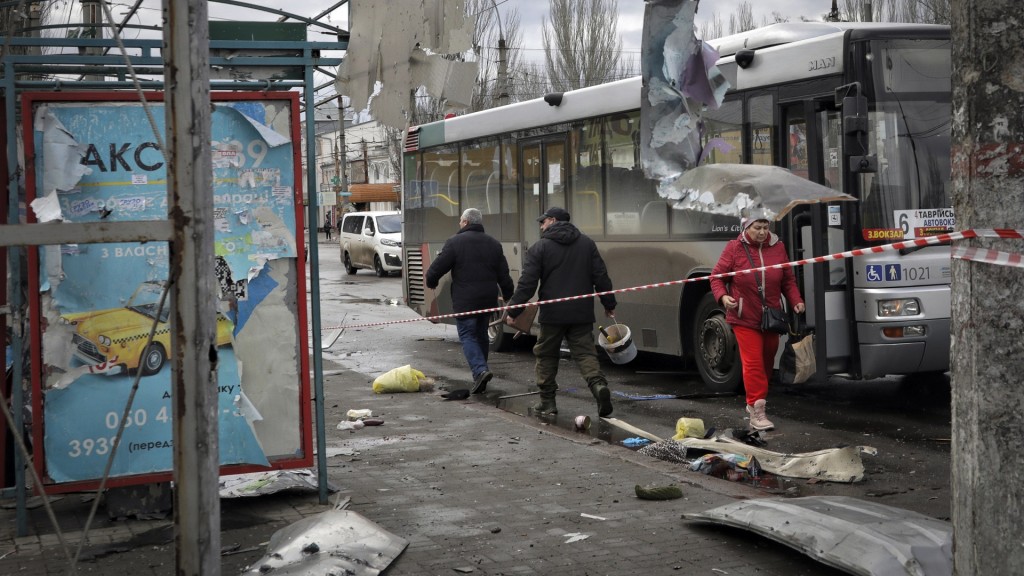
[(599, 388), (546, 406)]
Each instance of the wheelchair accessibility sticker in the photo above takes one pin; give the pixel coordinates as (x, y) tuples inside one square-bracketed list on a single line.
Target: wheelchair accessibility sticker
[(884, 273)]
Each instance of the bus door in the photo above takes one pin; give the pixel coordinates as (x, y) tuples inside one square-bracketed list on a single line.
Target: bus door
[(811, 148), (542, 181)]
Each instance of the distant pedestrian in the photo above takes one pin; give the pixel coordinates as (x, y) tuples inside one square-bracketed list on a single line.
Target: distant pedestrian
[(327, 225), (566, 263), (479, 270), (745, 295)]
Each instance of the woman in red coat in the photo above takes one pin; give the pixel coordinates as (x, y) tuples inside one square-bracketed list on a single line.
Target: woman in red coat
[(742, 302)]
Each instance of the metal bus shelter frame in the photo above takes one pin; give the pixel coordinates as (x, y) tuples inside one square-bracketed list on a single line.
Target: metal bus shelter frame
[(27, 72)]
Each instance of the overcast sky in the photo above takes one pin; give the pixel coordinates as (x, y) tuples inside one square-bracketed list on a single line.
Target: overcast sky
[(631, 16)]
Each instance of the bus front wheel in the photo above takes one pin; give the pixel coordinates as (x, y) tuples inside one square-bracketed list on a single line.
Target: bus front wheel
[(715, 350)]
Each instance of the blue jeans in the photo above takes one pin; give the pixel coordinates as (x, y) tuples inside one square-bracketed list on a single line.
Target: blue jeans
[(473, 334)]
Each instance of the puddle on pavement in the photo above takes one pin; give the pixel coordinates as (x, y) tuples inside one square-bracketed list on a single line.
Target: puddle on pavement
[(601, 430)]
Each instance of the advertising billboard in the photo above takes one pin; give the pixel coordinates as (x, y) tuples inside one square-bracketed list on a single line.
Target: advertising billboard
[(94, 157)]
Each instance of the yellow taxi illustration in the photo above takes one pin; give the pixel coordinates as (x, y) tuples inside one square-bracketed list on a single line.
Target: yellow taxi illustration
[(119, 334)]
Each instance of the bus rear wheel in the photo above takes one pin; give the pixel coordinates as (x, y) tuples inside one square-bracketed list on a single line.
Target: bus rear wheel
[(499, 339), (715, 350)]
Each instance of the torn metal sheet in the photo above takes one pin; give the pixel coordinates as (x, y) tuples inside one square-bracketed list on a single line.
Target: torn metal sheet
[(388, 37), (768, 192), (858, 536), (261, 483), (679, 78), (335, 542), (832, 464)]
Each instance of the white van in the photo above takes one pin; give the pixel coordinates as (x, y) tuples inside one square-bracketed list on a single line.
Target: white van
[(372, 240)]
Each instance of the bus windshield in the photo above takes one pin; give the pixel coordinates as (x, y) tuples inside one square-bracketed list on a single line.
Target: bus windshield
[(910, 137)]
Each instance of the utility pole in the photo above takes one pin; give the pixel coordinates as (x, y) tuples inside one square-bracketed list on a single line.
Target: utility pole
[(186, 50), (502, 98), (91, 16), (869, 14), (987, 358)]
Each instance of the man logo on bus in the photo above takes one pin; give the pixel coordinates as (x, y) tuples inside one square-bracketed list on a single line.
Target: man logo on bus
[(893, 272), (874, 273)]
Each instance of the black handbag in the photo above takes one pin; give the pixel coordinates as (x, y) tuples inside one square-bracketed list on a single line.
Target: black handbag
[(772, 319)]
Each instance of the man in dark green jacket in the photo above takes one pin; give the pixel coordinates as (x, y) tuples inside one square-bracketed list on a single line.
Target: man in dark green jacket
[(566, 263)]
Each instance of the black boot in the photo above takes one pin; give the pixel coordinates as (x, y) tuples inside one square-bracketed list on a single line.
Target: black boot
[(546, 406), (599, 388)]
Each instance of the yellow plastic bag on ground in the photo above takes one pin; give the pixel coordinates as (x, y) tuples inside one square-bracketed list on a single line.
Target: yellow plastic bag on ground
[(401, 379), (689, 428)]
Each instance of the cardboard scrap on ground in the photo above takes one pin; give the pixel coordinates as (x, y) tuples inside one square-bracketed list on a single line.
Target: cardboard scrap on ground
[(831, 464), (632, 429)]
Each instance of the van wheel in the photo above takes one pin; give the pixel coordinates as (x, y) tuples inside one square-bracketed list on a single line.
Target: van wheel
[(378, 267), (348, 265), (715, 350)]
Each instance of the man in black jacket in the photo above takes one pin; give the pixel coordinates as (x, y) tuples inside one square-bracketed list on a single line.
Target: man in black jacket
[(479, 269), (566, 263)]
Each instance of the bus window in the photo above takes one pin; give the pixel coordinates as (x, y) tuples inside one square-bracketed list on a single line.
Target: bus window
[(721, 140), (759, 114), (481, 178), (509, 193), (831, 147), (796, 145), (586, 205), (441, 193), (628, 192)]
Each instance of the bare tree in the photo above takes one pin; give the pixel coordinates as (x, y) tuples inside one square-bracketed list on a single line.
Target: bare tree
[(582, 46), (713, 28), (493, 29), (744, 19)]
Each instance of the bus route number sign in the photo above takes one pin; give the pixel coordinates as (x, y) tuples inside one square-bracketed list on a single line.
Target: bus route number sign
[(925, 222)]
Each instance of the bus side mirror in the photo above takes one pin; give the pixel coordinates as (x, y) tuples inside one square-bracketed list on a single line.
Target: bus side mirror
[(855, 125), (863, 164)]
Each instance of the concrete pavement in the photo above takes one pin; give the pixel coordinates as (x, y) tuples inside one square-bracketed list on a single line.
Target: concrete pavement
[(474, 489)]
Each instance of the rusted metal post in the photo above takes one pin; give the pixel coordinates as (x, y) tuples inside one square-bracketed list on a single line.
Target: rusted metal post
[(193, 311)]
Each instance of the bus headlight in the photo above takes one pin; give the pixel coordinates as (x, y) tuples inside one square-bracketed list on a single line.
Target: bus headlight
[(899, 307)]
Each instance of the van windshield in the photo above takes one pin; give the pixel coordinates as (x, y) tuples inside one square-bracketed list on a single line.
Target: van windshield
[(390, 224)]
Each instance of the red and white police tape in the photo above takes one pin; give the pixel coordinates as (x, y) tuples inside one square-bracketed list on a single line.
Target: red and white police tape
[(958, 252)]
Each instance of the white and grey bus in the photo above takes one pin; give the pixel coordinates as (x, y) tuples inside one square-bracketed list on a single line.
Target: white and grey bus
[(862, 108)]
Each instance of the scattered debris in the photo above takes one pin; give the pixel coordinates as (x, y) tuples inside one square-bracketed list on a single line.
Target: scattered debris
[(260, 483), (670, 492), (689, 428), (668, 450), (591, 516), (576, 537), (832, 464), (732, 467), (360, 414), (857, 536), (635, 441), (630, 428), (464, 569), (460, 394), (402, 379), (644, 396), (333, 542), (350, 425)]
